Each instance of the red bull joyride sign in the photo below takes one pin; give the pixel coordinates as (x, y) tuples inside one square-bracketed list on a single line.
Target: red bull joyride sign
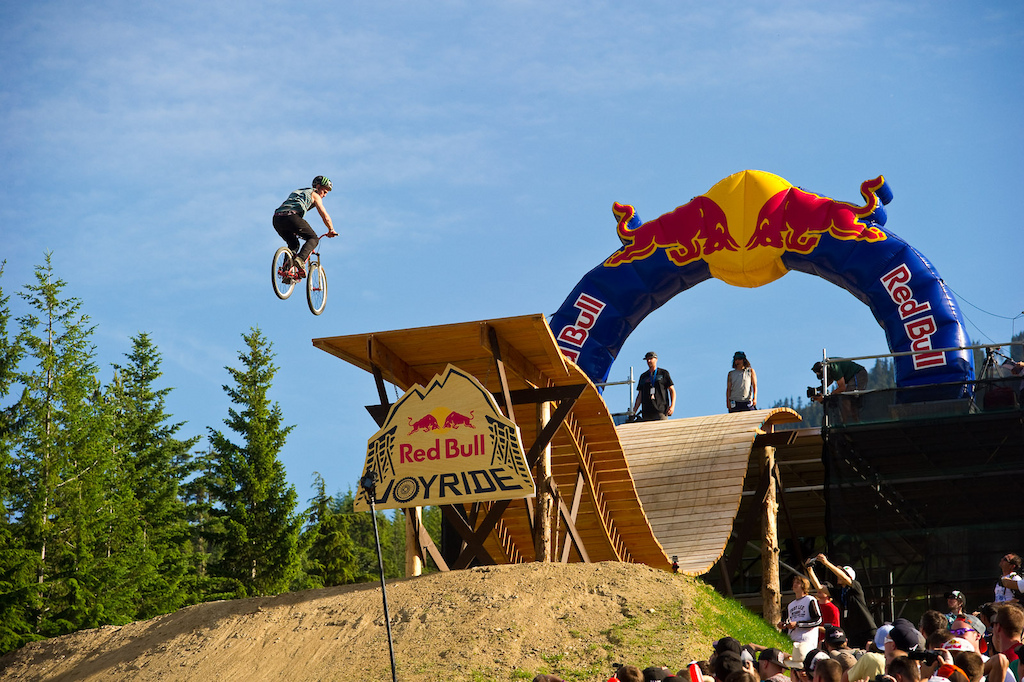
[(748, 230), (446, 444)]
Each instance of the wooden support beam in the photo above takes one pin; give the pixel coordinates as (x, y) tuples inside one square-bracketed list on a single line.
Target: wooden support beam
[(548, 432), (542, 532), (401, 372), (569, 517), (749, 528), (512, 357), (789, 519), (771, 593), (495, 349), (577, 497), (413, 551), (474, 538)]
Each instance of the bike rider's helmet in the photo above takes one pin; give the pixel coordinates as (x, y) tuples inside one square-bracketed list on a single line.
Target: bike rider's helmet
[(322, 181)]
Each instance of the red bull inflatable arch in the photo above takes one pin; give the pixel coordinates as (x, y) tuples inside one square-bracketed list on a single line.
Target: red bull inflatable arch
[(750, 229)]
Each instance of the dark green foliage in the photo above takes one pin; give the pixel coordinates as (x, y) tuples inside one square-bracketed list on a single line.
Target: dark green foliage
[(62, 461), (152, 461), (105, 514), (335, 556), (260, 536)]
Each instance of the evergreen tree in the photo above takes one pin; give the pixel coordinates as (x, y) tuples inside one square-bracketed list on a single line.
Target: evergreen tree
[(206, 529), (261, 529), (16, 576), (154, 463), (332, 558), (62, 458), (882, 375)]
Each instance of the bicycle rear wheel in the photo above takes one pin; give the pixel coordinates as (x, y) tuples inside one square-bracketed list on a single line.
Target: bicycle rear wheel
[(316, 288), (283, 283)]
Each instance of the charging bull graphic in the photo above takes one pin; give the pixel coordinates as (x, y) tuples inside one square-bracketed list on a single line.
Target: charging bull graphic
[(748, 230)]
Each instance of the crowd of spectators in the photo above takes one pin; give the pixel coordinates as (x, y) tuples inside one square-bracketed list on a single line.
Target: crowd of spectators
[(957, 646)]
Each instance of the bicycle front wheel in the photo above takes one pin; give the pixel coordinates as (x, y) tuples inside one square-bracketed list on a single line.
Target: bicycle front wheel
[(316, 288), (283, 283)]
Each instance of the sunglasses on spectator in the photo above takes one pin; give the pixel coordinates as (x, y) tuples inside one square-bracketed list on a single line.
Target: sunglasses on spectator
[(960, 632)]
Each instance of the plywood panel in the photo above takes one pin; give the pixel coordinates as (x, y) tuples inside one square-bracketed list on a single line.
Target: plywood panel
[(689, 474)]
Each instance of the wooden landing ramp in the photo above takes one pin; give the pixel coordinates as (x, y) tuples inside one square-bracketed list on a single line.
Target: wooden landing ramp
[(592, 480), (689, 474), (637, 493)]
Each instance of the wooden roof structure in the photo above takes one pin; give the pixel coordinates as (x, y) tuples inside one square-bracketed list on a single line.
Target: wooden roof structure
[(690, 475), (517, 359)]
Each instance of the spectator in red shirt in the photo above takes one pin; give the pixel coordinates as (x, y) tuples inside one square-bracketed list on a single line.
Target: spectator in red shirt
[(829, 611)]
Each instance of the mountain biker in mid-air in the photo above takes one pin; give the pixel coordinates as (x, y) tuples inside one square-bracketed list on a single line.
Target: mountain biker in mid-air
[(291, 225)]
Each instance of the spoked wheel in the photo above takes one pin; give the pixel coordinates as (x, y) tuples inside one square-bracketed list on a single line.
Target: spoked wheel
[(316, 288), (283, 283)]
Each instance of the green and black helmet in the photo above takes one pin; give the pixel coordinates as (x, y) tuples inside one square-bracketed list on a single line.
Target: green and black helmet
[(322, 181)]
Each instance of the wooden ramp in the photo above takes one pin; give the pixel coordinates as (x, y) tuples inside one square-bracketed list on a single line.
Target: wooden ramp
[(593, 485), (689, 474)]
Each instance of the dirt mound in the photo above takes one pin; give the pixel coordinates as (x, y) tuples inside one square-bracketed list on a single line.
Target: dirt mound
[(488, 623)]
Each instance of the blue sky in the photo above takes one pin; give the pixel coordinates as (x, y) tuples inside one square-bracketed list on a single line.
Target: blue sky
[(476, 149)]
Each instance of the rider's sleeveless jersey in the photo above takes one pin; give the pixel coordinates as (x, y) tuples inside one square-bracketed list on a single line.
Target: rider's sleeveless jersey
[(298, 201)]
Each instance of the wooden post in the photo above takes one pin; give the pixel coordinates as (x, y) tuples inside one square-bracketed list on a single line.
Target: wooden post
[(413, 560), (545, 500), (771, 594)]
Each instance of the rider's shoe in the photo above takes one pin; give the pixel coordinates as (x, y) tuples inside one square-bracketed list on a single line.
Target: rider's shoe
[(297, 269)]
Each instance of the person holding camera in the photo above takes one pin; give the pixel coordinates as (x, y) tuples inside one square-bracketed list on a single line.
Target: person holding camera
[(847, 375), (853, 609), (802, 618)]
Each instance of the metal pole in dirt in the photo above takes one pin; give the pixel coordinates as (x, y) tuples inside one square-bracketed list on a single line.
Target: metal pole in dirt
[(369, 483)]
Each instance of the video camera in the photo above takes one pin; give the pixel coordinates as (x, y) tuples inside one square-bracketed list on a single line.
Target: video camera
[(928, 656), (814, 391)]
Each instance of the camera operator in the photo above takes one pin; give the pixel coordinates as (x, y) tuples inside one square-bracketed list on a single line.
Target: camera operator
[(856, 618), (848, 375)]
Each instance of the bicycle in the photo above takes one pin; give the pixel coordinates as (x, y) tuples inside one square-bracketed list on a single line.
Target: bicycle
[(283, 277)]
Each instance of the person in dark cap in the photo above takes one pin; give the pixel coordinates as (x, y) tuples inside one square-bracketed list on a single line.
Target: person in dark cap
[(834, 643), (725, 663), (847, 375), (741, 385), (902, 639), (655, 392), (656, 673), (771, 665), (955, 601)]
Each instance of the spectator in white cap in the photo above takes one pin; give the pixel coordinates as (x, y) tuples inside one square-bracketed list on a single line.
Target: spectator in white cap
[(853, 609)]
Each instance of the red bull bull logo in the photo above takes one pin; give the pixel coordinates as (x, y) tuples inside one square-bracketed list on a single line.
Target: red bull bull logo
[(795, 220), (686, 234), (744, 224)]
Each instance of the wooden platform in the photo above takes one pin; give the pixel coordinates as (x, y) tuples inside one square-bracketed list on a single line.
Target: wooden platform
[(689, 474), (585, 452), (645, 491)]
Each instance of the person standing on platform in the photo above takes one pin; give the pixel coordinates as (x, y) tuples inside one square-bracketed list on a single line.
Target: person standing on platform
[(741, 385), (655, 392)]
